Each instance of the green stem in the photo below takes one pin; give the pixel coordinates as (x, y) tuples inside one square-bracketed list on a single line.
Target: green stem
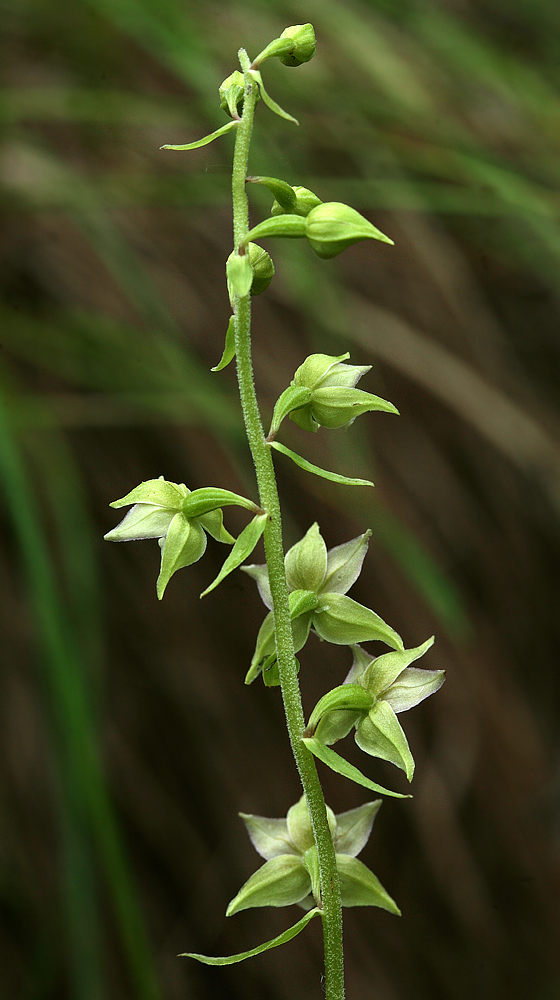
[(287, 664)]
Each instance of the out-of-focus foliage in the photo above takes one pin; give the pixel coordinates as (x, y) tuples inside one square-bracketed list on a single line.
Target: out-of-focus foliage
[(123, 758)]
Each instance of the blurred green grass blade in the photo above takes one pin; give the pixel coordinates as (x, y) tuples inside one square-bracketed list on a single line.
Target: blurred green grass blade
[(79, 104), (73, 724), (140, 371), (436, 588), (167, 30)]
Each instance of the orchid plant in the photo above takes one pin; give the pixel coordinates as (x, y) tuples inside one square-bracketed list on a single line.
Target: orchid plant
[(310, 856)]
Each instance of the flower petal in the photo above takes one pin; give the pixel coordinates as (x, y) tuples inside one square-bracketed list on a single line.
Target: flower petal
[(344, 564), (353, 828), (143, 520), (385, 669), (260, 575), (412, 686), (269, 837)]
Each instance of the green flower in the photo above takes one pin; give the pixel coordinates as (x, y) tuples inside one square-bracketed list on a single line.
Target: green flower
[(393, 686), (158, 511), (291, 872), (318, 581), (323, 393)]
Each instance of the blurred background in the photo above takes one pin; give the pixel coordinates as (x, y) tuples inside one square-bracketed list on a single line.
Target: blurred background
[(128, 740)]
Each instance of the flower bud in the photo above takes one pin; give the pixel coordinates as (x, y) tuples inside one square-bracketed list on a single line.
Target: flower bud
[(324, 370), (334, 401), (304, 44), (231, 94), (305, 201), (263, 268), (333, 226)]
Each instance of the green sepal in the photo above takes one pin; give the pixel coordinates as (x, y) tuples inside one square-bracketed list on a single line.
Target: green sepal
[(346, 696), (207, 138), (333, 226), (283, 938), (184, 544), (302, 601), (291, 399), (239, 275), (316, 367), (383, 671), (229, 347), (302, 604), (213, 523), (306, 562), (264, 646), (311, 862), (254, 73), (302, 463), (341, 620), (279, 882), (282, 191), (336, 725), (210, 497), (335, 406), (380, 734), (304, 419), (270, 672), (341, 766), (242, 548), (288, 226), (300, 828), (360, 887), (156, 491)]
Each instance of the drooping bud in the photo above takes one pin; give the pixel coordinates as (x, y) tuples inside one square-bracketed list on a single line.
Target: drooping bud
[(295, 46), (333, 226), (304, 43), (305, 200)]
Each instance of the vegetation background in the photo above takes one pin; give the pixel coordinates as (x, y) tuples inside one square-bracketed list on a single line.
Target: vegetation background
[(128, 741)]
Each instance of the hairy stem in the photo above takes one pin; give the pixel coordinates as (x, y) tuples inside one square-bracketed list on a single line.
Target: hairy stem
[(287, 664)]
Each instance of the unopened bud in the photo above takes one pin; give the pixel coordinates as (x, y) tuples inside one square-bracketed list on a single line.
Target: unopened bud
[(231, 94), (263, 268), (305, 201), (333, 226), (304, 44)]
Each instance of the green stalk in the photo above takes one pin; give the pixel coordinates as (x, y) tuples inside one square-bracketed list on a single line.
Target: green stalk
[(274, 549)]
